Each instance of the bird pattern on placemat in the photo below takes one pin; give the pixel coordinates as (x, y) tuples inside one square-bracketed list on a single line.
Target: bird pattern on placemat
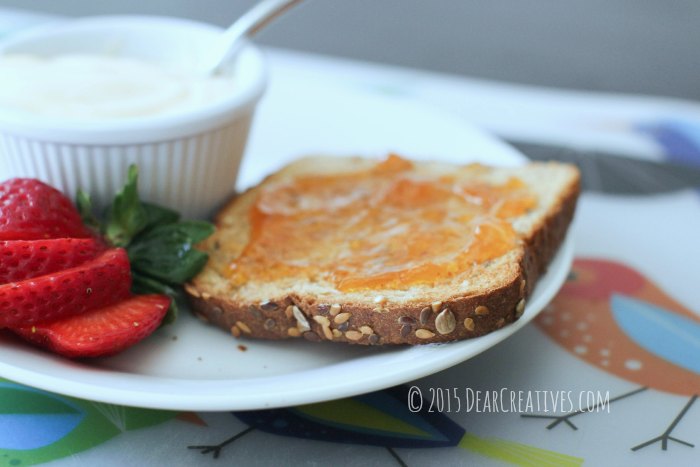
[(383, 419), (37, 426), (614, 318)]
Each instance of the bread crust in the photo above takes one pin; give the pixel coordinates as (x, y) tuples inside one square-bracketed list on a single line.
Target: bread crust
[(454, 318)]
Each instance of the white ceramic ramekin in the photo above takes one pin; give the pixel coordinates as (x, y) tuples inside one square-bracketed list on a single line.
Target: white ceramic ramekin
[(187, 161)]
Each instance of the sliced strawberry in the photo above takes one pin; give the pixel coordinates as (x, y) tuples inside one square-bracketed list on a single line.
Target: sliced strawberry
[(25, 259), (102, 332), (94, 284), (30, 209)]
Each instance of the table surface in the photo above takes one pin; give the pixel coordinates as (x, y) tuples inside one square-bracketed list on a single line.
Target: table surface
[(627, 326)]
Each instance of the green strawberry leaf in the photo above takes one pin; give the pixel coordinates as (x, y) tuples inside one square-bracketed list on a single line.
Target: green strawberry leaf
[(167, 253), (126, 217), (145, 285), (157, 215), (84, 204), (196, 230)]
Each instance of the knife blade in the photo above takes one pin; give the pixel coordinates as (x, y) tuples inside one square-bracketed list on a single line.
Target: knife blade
[(619, 174)]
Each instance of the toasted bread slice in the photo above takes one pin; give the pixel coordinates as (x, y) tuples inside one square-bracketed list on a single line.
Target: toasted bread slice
[(383, 279)]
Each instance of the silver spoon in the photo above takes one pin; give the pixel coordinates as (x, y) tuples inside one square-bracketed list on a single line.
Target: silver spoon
[(231, 41)]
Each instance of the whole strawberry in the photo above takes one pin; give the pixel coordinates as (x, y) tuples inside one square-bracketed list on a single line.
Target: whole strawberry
[(30, 210)]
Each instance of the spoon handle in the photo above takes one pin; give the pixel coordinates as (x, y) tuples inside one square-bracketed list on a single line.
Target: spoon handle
[(260, 15), (249, 24)]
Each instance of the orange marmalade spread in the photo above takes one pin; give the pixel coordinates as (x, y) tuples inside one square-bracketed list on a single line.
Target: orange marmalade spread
[(386, 227)]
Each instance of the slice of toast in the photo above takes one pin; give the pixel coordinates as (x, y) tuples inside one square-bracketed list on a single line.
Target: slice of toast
[(383, 252)]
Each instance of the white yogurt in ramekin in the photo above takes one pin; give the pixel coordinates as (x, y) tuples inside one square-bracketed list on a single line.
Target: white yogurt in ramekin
[(91, 87), (91, 96)]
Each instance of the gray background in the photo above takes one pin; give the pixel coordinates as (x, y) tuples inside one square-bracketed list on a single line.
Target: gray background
[(632, 46)]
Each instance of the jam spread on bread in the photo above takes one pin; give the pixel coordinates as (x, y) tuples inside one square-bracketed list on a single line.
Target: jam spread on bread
[(385, 227)]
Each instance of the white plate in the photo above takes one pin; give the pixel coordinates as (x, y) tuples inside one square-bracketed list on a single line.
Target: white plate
[(193, 366)]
